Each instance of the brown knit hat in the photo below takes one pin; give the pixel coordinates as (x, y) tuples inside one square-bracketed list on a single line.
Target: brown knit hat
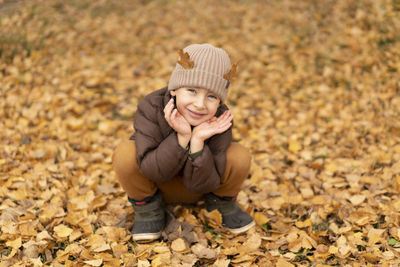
[(203, 66)]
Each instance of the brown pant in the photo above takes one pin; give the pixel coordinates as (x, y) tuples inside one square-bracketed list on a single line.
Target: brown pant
[(137, 186)]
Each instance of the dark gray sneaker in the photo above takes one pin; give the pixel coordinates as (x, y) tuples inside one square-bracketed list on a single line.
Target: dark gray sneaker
[(149, 218), (233, 218)]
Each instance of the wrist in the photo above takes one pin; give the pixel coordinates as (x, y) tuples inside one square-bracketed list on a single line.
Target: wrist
[(183, 140), (196, 145)]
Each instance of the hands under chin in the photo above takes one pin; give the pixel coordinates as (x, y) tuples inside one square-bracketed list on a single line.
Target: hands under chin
[(201, 132), (209, 128)]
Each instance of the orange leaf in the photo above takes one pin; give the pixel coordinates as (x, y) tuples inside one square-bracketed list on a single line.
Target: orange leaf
[(185, 61), (229, 76)]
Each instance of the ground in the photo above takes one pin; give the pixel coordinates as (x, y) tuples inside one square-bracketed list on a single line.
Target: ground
[(316, 100)]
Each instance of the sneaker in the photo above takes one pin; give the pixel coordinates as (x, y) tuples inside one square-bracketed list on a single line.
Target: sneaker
[(233, 218), (149, 218)]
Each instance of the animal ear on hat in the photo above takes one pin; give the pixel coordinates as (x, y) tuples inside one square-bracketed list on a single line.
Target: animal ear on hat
[(232, 72), (184, 60)]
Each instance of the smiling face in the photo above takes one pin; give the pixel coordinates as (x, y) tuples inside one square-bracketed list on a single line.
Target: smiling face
[(196, 105)]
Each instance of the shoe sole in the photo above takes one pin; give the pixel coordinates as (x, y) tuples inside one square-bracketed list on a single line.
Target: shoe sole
[(146, 236), (242, 229)]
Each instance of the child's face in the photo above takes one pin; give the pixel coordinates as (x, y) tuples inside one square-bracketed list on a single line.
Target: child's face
[(196, 105)]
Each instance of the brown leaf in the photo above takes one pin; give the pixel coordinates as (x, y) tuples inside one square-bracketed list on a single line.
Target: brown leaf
[(184, 60), (203, 252), (232, 72)]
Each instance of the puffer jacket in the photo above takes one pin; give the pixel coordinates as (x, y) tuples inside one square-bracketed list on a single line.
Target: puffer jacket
[(160, 157)]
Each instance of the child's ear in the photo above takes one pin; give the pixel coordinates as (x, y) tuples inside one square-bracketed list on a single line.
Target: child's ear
[(172, 92)]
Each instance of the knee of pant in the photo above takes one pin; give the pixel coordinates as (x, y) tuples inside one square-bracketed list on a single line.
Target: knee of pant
[(124, 157), (239, 156)]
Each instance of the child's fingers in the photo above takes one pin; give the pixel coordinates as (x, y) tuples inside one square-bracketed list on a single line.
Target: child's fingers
[(222, 117), (167, 107), (225, 124), (230, 118), (213, 119), (223, 128), (227, 118), (225, 115), (167, 112), (174, 114)]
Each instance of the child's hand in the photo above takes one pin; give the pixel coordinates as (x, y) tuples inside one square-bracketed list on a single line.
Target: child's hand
[(176, 120), (213, 126)]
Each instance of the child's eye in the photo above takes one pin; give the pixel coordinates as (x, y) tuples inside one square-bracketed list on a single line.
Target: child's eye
[(212, 97), (191, 90)]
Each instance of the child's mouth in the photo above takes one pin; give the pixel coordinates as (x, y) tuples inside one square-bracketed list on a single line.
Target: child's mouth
[(195, 114)]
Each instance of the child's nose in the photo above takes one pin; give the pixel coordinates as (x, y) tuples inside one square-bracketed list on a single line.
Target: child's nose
[(199, 103)]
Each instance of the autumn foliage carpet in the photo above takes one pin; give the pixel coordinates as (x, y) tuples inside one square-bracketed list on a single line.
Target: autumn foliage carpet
[(316, 100)]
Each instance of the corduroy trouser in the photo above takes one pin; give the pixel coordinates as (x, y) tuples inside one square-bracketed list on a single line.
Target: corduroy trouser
[(138, 186)]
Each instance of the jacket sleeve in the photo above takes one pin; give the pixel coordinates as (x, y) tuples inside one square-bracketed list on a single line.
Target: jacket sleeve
[(157, 160), (203, 173)]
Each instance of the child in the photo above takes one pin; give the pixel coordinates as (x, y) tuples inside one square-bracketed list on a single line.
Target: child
[(182, 147)]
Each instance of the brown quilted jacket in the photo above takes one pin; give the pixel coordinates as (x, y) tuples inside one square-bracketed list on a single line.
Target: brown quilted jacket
[(160, 157)]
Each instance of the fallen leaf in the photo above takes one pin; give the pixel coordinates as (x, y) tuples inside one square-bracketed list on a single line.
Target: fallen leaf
[(260, 218), (95, 263), (16, 243), (357, 199), (283, 263), (203, 252), (62, 231), (178, 245), (221, 263)]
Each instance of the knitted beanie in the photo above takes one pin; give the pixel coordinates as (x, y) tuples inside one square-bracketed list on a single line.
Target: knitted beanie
[(202, 66)]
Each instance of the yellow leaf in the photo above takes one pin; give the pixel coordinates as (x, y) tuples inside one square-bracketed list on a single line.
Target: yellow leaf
[(283, 263), (102, 248), (292, 236), (215, 218), (95, 263), (75, 123), (331, 167), (333, 250), (160, 249), (252, 243), (156, 261), (16, 243), (294, 145), (27, 229), (357, 199), (307, 192), (120, 249), (222, 263), (375, 235), (178, 245), (306, 223), (62, 230), (106, 127), (260, 218)]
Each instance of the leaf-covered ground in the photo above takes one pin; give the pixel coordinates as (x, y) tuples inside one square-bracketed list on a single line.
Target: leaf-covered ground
[(316, 99)]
